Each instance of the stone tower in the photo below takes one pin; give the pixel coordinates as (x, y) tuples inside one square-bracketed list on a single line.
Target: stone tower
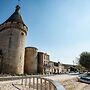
[(12, 44), (43, 61), (31, 60)]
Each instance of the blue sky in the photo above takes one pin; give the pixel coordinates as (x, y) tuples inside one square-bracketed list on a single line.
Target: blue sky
[(60, 28)]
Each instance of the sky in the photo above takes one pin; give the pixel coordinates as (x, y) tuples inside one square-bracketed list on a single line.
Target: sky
[(60, 28)]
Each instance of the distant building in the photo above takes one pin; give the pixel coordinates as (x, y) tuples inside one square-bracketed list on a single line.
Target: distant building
[(51, 65), (55, 67), (68, 68)]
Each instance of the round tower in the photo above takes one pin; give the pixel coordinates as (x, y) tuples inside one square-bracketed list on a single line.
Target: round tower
[(12, 43), (31, 60)]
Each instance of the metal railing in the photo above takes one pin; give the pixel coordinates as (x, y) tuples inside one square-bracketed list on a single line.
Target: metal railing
[(39, 83), (34, 83)]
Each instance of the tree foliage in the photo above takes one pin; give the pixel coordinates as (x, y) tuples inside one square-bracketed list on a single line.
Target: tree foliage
[(85, 60), (80, 68)]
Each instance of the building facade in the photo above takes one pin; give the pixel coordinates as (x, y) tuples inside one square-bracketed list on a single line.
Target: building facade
[(55, 67), (43, 60)]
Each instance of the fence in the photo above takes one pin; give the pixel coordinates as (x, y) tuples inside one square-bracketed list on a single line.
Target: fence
[(35, 83), (39, 83)]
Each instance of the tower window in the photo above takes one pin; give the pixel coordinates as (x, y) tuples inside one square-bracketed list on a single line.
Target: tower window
[(22, 33), (0, 52)]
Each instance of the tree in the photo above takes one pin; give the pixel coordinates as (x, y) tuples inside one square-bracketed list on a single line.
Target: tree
[(85, 60), (80, 68)]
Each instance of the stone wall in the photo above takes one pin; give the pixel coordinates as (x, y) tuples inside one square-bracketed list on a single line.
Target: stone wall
[(12, 44), (40, 62), (31, 60), (43, 62)]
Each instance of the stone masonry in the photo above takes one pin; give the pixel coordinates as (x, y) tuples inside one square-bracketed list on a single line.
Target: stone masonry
[(31, 60), (12, 44)]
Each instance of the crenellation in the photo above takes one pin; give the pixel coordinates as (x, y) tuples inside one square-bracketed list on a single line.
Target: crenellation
[(13, 25)]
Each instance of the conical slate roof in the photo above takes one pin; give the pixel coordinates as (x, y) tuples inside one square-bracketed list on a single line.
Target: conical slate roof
[(15, 17)]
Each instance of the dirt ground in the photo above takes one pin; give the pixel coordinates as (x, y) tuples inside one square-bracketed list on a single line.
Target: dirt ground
[(70, 82)]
